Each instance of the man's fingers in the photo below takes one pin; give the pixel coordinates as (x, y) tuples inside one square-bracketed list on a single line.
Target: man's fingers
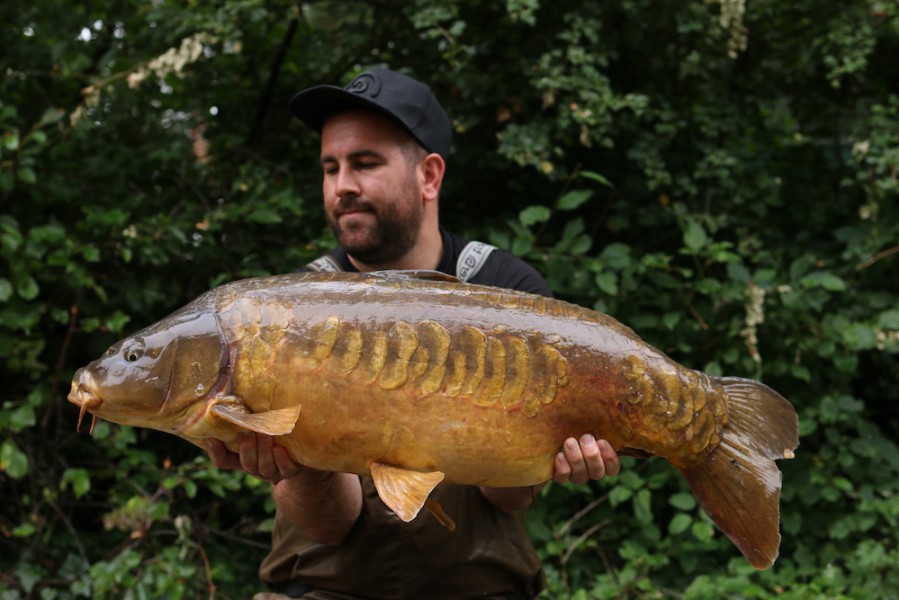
[(257, 455), (590, 450), (610, 458), (575, 457), (285, 464), (561, 469), (220, 456), (581, 460)]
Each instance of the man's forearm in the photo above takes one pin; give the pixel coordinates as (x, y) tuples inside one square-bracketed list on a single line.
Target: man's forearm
[(324, 505)]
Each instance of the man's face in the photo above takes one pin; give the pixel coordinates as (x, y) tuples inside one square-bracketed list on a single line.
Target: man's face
[(372, 195)]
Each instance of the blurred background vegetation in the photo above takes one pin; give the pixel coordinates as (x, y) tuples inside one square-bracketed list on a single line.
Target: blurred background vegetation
[(721, 175)]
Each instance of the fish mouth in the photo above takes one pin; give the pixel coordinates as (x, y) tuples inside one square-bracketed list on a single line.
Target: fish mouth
[(82, 396)]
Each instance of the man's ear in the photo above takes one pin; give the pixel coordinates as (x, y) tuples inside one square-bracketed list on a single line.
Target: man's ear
[(430, 176)]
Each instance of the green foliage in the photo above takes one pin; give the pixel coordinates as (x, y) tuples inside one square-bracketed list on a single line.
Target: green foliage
[(724, 182)]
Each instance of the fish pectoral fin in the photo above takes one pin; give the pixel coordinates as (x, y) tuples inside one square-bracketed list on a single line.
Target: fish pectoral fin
[(402, 490), (270, 422)]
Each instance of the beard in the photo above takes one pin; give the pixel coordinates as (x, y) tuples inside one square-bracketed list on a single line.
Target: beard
[(385, 238)]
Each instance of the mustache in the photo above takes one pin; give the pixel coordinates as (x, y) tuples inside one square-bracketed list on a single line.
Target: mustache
[(353, 204)]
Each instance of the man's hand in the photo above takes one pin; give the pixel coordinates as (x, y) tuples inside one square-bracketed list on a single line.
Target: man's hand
[(323, 504), (578, 462), (583, 459), (257, 455)]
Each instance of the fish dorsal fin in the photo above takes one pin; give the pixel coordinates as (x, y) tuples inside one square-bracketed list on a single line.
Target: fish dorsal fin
[(423, 274), (402, 490), (270, 422)]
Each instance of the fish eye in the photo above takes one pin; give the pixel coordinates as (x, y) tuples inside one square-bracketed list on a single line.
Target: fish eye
[(132, 355)]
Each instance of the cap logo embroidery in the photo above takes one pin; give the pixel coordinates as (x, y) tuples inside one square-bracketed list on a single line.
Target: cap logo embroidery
[(365, 85)]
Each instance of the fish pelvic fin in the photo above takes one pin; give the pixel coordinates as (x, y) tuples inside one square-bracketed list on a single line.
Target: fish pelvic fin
[(270, 422), (738, 484), (405, 491), (437, 510)]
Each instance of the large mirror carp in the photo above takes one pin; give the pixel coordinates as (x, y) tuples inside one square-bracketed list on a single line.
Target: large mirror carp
[(415, 378)]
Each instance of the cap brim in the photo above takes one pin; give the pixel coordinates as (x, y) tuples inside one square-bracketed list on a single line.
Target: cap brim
[(315, 105)]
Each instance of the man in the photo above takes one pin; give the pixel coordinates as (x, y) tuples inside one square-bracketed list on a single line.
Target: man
[(384, 145)]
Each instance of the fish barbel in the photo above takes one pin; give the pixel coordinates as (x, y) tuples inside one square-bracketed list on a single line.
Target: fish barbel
[(415, 378)]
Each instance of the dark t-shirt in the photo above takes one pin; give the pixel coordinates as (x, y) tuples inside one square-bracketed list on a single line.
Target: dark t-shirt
[(489, 555), (501, 269)]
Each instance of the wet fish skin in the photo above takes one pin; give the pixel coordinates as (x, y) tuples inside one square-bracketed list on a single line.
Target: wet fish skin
[(408, 375)]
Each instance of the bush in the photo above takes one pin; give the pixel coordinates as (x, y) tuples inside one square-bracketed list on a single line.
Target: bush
[(721, 176)]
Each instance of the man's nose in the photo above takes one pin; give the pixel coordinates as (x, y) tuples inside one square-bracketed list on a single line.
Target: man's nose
[(346, 184)]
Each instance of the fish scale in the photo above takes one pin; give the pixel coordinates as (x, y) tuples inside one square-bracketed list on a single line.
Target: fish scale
[(414, 378)]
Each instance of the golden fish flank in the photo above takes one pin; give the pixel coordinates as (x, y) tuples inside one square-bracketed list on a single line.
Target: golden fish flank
[(487, 367), (688, 403)]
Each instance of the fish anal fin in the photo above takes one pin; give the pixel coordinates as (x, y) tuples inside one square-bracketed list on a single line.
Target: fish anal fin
[(271, 422), (739, 484), (402, 490)]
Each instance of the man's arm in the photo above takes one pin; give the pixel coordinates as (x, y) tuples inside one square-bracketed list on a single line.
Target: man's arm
[(577, 462), (322, 504)]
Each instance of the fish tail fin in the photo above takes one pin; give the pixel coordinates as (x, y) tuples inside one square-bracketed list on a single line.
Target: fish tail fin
[(738, 484)]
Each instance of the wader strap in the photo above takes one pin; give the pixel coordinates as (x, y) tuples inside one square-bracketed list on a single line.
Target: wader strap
[(473, 257), (324, 264)]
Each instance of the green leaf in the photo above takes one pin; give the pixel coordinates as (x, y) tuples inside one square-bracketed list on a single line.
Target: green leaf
[(79, 479), (7, 181), (596, 177), (12, 460), (683, 501), (5, 289), (27, 287), (607, 282), (825, 280), (11, 141), (695, 237), (671, 319), (619, 494), (702, 530), (581, 245), (574, 199), (617, 256), (24, 530), (859, 336), (26, 175), (534, 214), (680, 523), (842, 484), (51, 116), (642, 504), (737, 272), (886, 320), (22, 418), (265, 216)]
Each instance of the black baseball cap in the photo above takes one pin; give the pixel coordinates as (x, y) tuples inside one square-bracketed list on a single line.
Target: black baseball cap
[(408, 102)]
